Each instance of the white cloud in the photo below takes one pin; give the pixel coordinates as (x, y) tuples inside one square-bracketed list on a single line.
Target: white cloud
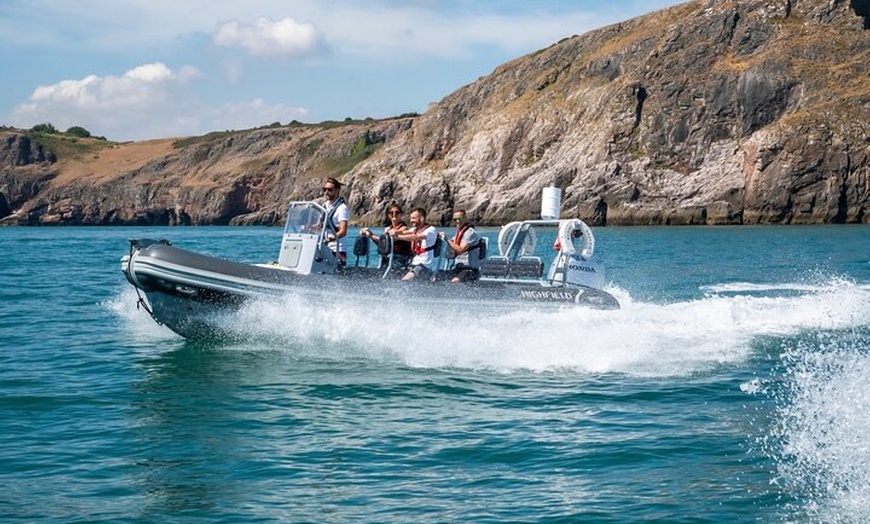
[(156, 72), (138, 88), (270, 27), (412, 33), (454, 41), (264, 37), (147, 101)]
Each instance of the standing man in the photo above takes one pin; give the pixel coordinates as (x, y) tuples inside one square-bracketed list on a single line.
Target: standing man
[(467, 245), (422, 238), (337, 218)]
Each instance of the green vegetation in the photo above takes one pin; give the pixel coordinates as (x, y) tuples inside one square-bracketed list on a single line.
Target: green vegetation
[(79, 132), (310, 147), (44, 128), (331, 124), (75, 142), (47, 128), (361, 149), (208, 137), (326, 124)]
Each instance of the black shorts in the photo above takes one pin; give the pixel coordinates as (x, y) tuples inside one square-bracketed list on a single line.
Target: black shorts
[(465, 273), (399, 261), (420, 272)]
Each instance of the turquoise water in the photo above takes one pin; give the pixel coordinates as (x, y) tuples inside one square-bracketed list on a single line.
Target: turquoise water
[(733, 386)]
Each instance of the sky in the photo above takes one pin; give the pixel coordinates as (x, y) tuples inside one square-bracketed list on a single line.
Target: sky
[(144, 69)]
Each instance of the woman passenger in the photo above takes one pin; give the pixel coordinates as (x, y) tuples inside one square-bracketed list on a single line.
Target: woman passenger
[(401, 248)]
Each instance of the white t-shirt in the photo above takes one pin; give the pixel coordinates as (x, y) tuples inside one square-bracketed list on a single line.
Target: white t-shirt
[(341, 213), (470, 258), (425, 258)]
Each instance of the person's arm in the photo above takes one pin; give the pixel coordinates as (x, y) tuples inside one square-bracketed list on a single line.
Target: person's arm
[(342, 214), (411, 237), (463, 246), (371, 234), (457, 248), (342, 229)]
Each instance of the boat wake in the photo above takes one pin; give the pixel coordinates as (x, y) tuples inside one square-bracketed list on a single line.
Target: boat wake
[(642, 339), (829, 284), (816, 435)]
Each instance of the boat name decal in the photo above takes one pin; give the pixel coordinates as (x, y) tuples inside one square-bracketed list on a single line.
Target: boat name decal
[(547, 295)]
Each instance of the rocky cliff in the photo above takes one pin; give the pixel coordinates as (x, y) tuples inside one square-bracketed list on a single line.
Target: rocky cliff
[(710, 112), (224, 178)]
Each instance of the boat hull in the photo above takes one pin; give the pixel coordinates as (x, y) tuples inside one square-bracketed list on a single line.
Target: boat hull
[(192, 293)]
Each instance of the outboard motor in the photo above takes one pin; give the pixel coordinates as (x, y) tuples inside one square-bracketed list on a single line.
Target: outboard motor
[(573, 270), (576, 265)]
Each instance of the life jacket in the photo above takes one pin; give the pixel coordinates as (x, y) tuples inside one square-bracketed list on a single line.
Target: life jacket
[(460, 233), (402, 247), (417, 245), (330, 226), (479, 245)]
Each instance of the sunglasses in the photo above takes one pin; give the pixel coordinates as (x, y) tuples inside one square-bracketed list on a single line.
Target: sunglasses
[(459, 219), (329, 189), (394, 213)]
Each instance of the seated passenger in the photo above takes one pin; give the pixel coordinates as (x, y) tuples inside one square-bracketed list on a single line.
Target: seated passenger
[(467, 245), (401, 248), (423, 238)]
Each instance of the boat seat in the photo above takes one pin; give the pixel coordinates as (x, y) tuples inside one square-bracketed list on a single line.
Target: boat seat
[(501, 267), (526, 267), (494, 267)]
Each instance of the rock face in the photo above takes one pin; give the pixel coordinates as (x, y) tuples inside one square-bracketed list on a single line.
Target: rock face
[(706, 113), (710, 112), (239, 178)]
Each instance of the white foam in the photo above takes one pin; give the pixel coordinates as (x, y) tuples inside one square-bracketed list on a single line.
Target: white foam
[(639, 339), (751, 287), (752, 387), (138, 324), (821, 284), (823, 428), (820, 441)]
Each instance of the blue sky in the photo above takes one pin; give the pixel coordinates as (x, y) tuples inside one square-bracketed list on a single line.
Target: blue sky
[(140, 69)]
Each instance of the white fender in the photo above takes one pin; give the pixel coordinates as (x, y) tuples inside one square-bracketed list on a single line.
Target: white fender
[(567, 242), (507, 234)]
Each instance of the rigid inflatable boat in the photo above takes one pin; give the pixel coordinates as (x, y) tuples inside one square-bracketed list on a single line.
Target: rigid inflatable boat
[(192, 293)]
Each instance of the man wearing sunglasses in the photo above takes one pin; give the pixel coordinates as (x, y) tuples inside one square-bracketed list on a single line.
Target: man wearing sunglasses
[(422, 238), (467, 245), (337, 218)]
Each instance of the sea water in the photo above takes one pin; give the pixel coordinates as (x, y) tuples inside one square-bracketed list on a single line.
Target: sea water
[(732, 386)]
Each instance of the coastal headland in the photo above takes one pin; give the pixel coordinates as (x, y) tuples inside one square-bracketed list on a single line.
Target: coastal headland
[(706, 113)]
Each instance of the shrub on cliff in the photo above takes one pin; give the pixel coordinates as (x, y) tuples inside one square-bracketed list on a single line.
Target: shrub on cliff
[(79, 132), (46, 128)]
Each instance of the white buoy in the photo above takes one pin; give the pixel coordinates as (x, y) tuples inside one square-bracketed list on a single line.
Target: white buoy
[(551, 203)]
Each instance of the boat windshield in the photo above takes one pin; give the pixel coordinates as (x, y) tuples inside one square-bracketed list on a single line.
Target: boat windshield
[(305, 218)]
